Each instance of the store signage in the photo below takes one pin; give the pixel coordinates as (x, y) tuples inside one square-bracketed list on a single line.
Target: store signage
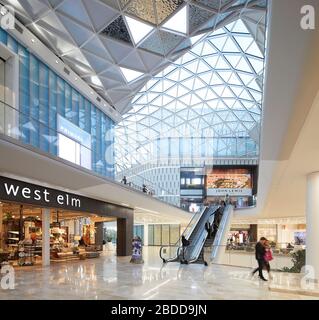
[(230, 192), (26, 193), (72, 131), (13, 191)]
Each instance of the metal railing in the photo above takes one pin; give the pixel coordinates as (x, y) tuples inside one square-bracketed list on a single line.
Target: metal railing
[(43, 135)]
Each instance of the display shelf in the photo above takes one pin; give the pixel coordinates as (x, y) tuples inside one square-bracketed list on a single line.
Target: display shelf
[(14, 232)]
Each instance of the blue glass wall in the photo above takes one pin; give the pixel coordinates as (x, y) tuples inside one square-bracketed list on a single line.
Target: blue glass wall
[(43, 95)]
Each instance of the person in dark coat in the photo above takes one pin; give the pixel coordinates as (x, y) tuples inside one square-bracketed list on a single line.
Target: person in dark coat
[(260, 251), (208, 228), (185, 244)]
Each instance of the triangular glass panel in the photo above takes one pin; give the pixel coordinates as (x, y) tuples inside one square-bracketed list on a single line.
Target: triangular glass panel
[(257, 64), (240, 27), (254, 50), (139, 30), (219, 41), (178, 22), (244, 42), (230, 46), (130, 74)]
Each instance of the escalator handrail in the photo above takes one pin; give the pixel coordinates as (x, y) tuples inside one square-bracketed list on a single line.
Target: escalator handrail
[(178, 243)]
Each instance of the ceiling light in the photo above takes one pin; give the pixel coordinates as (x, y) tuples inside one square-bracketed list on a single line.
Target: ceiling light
[(95, 80), (75, 78), (125, 204), (178, 22), (139, 30), (147, 210), (92, 92), (130, 74), (56, 61), (13, 217), (32, 40)]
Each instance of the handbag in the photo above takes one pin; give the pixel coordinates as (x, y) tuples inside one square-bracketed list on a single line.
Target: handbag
[(268, 256)]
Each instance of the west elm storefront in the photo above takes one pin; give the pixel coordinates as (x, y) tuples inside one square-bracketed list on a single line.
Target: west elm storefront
[(45, 224)]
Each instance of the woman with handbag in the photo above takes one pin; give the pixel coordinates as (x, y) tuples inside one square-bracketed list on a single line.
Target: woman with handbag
[(268, 257)]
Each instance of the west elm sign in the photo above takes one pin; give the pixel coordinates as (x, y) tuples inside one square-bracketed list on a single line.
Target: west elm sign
[(19, 191), (26, 193)]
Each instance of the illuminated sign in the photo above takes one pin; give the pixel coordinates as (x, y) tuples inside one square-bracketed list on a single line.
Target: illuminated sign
[(72, 131), (234, 182)]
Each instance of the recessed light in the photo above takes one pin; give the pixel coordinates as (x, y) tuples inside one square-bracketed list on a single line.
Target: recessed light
[(32, 40), (92, 92), (125, 204), (56, 61), (75, 78)]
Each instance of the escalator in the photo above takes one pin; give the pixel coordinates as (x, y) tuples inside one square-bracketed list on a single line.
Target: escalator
[(196, 234)]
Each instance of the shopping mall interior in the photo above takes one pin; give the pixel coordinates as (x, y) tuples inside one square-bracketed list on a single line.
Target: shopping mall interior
[(147, 146)]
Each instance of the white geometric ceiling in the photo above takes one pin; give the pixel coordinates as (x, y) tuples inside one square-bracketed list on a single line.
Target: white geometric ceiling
[(214, 90), (96, 38)]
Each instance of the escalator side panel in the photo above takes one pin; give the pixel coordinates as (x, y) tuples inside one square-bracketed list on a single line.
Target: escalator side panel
[(220, 241)]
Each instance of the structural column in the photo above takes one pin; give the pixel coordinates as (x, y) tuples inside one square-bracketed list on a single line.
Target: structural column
[(312, 219), (145, 234), (46, 237), (124, 236)]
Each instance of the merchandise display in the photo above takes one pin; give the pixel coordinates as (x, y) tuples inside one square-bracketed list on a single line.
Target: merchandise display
[(72, 235)]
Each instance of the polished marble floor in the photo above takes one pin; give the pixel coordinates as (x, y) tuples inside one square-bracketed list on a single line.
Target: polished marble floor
[(110, 277)]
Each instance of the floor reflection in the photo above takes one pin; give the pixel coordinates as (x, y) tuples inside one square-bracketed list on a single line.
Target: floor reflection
[(111, 277)]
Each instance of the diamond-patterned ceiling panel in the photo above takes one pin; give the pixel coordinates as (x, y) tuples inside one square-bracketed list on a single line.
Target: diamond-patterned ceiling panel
[(118, 30), (99, 29), (165, 8), (214, 90), (142, 9)]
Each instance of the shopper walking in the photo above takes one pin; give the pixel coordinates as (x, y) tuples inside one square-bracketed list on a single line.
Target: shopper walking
[(268, 257), (260, 251)]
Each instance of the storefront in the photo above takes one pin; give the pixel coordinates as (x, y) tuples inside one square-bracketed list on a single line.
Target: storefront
[(42, 225)]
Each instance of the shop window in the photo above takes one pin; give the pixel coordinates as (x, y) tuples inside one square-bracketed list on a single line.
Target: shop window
[(165, 234)]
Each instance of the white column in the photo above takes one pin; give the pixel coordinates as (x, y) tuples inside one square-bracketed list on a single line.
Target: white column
[(46, 237), (145, 234), (312, 219)]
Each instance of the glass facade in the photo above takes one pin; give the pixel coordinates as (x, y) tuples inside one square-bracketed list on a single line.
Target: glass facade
[(43, 95), (163, 234)]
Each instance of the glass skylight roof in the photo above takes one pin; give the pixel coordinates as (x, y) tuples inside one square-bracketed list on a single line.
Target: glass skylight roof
[(214, 90)]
